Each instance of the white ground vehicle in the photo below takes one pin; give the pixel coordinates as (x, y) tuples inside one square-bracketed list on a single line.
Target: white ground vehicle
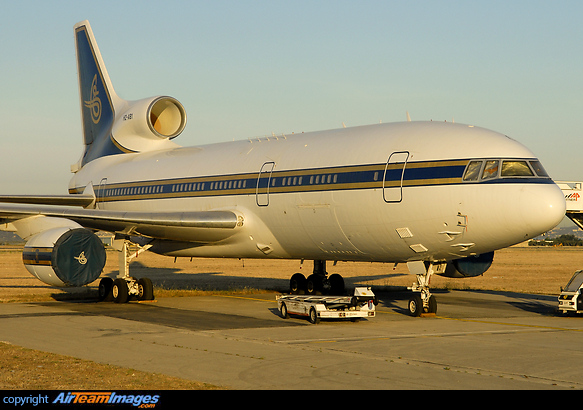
[(571, 298), (361, 305)]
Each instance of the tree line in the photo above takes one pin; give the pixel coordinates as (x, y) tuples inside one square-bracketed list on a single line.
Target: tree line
[(563, 240)]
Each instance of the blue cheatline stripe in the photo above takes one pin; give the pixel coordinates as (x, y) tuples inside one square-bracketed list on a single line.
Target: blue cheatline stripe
[(372, 176), (37, 255)]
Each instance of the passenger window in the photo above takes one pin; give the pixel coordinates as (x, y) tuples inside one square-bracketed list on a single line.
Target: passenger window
[(516, 169), (490, 169), (473, 171), (538, 168)]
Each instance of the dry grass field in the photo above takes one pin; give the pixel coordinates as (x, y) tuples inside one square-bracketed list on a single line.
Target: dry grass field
[(528, 270)]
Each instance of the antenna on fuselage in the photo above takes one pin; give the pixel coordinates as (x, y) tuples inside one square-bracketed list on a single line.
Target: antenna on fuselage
[(408, 117)]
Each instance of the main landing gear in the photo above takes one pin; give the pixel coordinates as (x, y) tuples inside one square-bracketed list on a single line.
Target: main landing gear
[(125, 287), (318, 283)]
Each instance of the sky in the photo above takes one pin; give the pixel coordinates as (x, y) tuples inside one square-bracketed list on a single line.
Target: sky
[(244, 69)]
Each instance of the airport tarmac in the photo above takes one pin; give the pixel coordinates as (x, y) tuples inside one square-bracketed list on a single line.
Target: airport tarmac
[(477, 340)]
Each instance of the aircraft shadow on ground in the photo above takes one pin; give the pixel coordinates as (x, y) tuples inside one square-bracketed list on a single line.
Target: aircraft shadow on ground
[(175, 278), (390, 297)]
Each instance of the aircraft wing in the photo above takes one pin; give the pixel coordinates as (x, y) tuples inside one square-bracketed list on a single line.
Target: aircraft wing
[(62, 200), (203, 226)]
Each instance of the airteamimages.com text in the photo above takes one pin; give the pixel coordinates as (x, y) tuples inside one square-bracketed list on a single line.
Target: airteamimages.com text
[(81, 398)]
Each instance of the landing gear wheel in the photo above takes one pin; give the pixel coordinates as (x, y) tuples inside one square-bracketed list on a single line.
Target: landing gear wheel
[(415, 305), (314, 319), (432, 308), (297, 284), (120, 291), (145, 289), (313, 284), (105, 285), (283, 311), (336, 284)]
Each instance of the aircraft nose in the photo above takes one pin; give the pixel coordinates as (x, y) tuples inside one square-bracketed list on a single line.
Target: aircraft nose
[(542, 208)]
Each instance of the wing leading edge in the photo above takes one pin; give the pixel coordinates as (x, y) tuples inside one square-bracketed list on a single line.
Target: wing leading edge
[(204, 226), (61, 200)]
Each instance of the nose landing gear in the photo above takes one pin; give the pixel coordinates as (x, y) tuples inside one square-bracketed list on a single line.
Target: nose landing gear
[(422, 301)]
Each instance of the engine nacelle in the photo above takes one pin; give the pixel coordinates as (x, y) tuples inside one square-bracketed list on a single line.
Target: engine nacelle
[(65, 256), (147, 124), (469, 267)]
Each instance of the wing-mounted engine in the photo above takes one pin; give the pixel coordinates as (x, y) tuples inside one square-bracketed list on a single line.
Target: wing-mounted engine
[(149, 124), (63, 253), (469, 267)]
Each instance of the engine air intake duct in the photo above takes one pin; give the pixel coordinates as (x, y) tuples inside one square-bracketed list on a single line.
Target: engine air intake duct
[(166, 117)]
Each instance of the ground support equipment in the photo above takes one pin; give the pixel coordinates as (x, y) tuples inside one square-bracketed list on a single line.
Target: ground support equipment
[(361, 305), (571, 298)]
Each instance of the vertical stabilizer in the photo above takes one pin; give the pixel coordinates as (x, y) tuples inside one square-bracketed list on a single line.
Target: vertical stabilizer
[(97, 97)]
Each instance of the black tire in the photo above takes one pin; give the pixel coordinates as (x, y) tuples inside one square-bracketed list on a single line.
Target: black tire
[(145, 289), (313, 285), (105, 285), (314, 318), (336, 284), (432, 305), (297, 284), (283, 311), (415, 305), (120, 291)]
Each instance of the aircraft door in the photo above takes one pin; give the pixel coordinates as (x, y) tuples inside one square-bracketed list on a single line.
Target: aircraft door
[(393, 178), (101, 192), (263, 183)]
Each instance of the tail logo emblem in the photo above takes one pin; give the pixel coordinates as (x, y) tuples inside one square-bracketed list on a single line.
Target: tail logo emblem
[(94, 103), (82, 259)]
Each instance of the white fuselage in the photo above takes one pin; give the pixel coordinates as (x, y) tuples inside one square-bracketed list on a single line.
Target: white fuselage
[(339, 194)]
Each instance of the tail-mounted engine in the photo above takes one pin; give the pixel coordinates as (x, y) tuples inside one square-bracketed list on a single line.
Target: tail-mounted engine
[(148, 124), (65, 256)]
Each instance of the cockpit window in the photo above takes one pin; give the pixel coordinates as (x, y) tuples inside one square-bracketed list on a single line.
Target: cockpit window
[(491, 169), (538, 168), (516, 169), (473, 171), (488, 169)]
